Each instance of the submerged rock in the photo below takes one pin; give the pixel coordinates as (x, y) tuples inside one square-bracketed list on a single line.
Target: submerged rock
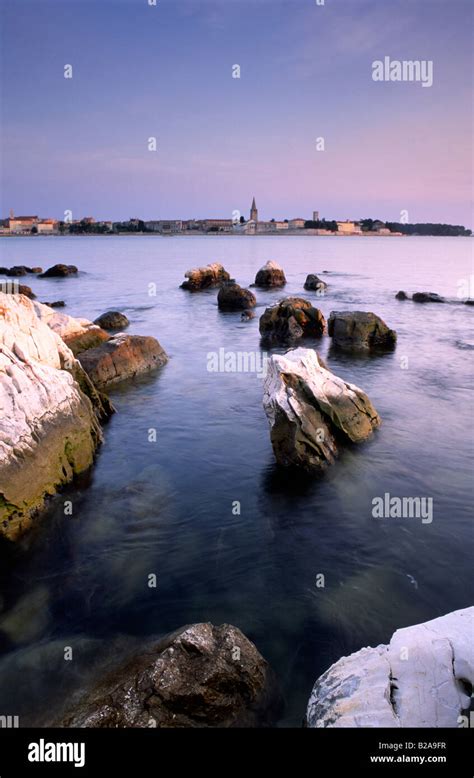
[(112, 320), (232, 297), (360, 331), (205, 277), (402, 295), (270, 275), (291, 319), (49, 428), (311, 411), (57, 304), (422, 678), (200, 676), (122, 357), (427, 297), (247, 315), (60, 271), (314, 284)]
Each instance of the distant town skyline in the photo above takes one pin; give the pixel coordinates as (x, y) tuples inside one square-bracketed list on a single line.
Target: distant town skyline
[(155, 124)]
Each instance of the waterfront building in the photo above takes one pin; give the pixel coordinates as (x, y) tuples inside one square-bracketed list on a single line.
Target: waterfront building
[(217, 225), (22, 224), (47, 226), (265, 227), (348, 228), (165, 226), (297, 224)]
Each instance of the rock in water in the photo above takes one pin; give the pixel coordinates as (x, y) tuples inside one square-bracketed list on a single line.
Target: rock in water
[(401, 295), (270, 275), (291, 319), (311, 411), (427, 297), (205, 277), (60, 271), (27, 291), (314, 284), (49, 428), (360, 331), (112, 320), (232, 297), (200, 676), (19, 270), (422, 678), (121, 357)]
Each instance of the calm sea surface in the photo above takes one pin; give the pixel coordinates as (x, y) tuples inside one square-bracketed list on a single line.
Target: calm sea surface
[(165, 507)]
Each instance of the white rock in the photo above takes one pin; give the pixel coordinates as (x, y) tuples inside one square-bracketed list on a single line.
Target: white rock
[(67, 327), (419, 680), (48, 428), (305, 403)]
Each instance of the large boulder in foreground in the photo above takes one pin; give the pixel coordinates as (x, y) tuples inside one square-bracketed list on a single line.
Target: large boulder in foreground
[(360, 331), (427, 297), (232, 297), (311, 411), (207, 277), (314, 284), (122, 357), (270, 275), (60, 271), (49, 426), (422, 678), (200, 676), (112, 320), (291, 319), (78, 334)]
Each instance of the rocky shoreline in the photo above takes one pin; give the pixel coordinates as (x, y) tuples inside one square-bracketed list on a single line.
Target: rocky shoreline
[(54, 371)]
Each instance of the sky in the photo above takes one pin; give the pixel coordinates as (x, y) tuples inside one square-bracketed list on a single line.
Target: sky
[(165, 71)]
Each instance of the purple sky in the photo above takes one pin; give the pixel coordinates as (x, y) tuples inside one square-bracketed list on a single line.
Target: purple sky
[(142, 71)]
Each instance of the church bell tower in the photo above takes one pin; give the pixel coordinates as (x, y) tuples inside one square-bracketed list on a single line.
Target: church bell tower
[(254, 211)]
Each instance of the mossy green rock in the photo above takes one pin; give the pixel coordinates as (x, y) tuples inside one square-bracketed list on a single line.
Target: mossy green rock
[(49, 426)]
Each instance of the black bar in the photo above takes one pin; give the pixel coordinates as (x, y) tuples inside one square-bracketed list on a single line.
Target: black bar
[(137, 752)]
